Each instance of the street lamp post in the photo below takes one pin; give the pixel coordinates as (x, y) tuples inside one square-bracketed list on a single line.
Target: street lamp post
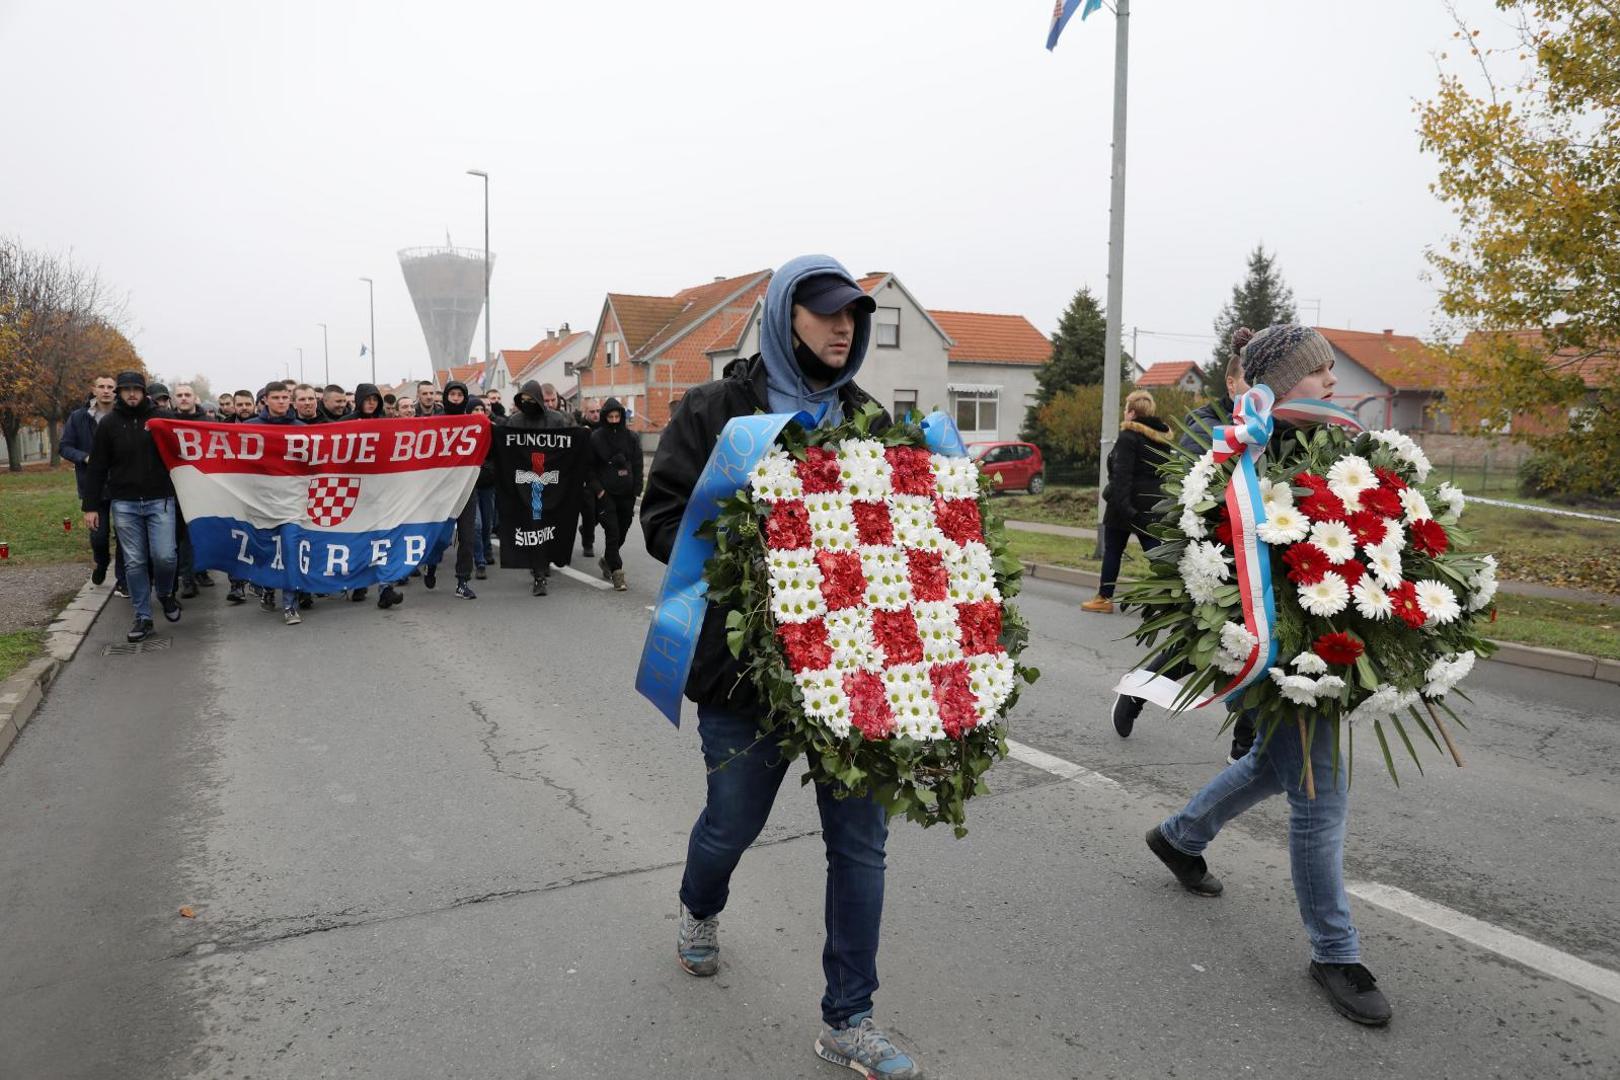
[(327, 352), (371, 294), (300, 349), (487, 354)]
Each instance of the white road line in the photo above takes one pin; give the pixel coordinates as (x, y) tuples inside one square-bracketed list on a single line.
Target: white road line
[(1532, 954), (580, 575)]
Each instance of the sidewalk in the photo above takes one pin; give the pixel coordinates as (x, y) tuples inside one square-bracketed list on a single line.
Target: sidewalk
[(21, 695)]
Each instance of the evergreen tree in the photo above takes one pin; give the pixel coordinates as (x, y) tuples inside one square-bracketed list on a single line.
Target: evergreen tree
[(1260, 300), (1078, 351)]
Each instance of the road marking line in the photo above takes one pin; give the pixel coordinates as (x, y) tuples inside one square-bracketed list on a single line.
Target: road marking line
[(1488, 936), (580, 575)]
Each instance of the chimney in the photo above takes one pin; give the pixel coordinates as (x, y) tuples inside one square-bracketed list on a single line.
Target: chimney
[(719, 277), (1389, 333), (564, 331)]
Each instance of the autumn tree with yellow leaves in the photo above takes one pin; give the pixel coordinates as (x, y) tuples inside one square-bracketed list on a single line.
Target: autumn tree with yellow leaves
[(1526, 132)]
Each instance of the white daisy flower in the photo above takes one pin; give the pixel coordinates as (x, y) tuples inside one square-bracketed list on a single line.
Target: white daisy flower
[(1349, 477), (1384, 561), (1415, 505), (1372, 602), (991, 680), (1327, 597), (1283, 525), (1334, 538), (775, 479), (955, 477), (1437, 601), (1454, 499), (1276, 491), (1308, 663), (862, 450), (798, 605)]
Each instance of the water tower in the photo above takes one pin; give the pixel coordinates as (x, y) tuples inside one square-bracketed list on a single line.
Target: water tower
[(447, 287)]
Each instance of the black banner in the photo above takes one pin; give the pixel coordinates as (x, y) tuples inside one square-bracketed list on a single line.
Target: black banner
[(538, 479)]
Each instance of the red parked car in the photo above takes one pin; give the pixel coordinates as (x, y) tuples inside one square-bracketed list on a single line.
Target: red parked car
[(1011, 466)]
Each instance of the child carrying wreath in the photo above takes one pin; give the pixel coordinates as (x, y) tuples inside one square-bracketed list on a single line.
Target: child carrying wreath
[(1307, 581)]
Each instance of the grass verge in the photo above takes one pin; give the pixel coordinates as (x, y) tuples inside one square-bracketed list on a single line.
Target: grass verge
[(17, 648), (33, 504)]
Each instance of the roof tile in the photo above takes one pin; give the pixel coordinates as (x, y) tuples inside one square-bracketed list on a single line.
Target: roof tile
[(993, 339)]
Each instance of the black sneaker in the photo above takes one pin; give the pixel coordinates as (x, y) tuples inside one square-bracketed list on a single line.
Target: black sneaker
[(267, 601), (171, 607), (430, 577), (237, 595), (98, 575), (305, 601), (188, 587), (538, 587), (1126, 710), (121, 589), (465, 591), (480, 573), (1190, 870), (357, 595), (588, 552), (140, 631), (388, 597), (204, 580), (607, 575), (1353, 992)]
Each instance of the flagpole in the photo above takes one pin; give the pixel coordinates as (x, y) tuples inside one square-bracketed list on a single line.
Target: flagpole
[(1116, 252)]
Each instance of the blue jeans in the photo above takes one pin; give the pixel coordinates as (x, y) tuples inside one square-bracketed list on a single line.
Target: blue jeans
[(743, 779), (1315, 829), (483, 553), (146, 533)]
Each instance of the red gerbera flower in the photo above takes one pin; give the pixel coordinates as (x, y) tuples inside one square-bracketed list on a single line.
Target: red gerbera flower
[(868, 704), (1223, 527), (929, 580), (788, 525), (843, 585), (1338, 648), (1381, 501), (1351, 570), (1366, 526), (819, 470), (980, 626), (896, 634), (872, 524), (910, 470), (1311, 480), (806, 645), (1307, 563), (1389, 478), (1429, 537), (953, 696), (1407, 608), (1322, 505), (959, 520)]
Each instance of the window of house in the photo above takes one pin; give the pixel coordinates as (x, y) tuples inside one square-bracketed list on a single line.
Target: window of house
[(976, 410), (612, 353), (887, 326), (905, 403)]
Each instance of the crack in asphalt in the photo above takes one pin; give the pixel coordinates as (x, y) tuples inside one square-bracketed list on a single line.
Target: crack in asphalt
[(497, 758)]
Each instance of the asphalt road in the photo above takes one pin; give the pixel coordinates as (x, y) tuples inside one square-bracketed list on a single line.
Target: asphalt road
[(444, 841)]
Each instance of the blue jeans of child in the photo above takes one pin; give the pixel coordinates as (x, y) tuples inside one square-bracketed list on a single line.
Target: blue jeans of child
[(146, 532), (1316, 829), (744, 774)]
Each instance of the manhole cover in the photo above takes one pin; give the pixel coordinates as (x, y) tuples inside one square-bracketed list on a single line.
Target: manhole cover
[(127, 648)]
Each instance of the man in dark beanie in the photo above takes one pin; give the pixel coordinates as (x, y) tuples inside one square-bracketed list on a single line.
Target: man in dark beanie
[(124, 460), (813, 336)]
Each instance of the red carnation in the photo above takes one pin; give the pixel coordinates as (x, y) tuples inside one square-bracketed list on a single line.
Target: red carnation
[(911, 472), (1407, 608), (1307, 563), (869, 704), (843, 585), (819, 470), (1352, 571), (1389, 478), (1322, 505), (1311, 480), (1366, 526), (806, 645), (929, 581), (953, 696), (959, 520), (1381, 501), (980, 626), (1429, 537), (896, 634), (872, 524), (1338, 648), (1223, 527), (788, 525)]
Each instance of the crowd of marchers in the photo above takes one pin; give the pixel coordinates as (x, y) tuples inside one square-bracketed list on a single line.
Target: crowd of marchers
[(138, 530)]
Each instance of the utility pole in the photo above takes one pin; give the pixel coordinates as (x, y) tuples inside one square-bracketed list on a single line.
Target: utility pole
[(1116, 251), (487, 353), (300, 349), (327, 352), (371, 293)]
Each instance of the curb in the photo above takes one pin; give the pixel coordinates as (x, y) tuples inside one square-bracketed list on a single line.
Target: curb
[(1508, 652), (21, 695)]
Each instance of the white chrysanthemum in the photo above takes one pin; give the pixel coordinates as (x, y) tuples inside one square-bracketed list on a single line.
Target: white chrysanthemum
[(1384, 561), (824, 699), (1308, 663), (1406, 450), (888, 577), (991, 680), (1202, 590), (1205, 559), (862, 450), (1454, 499), (832, 521), (865, 479), (775, 479), (970, 573), (1437, 601), (797, 605), (1295, 688), (1236, 640), (911, 698), (1329, 686), (1382, 702), (1226, 662), (849, 636), (1283, 525), (937, 628), (1192, 525), (1415, 505), (1349, 477), (1445, 673), (1482, 585), (955, 477), (792, 568), (1335, 539), (1372, 602), (1327, 597)]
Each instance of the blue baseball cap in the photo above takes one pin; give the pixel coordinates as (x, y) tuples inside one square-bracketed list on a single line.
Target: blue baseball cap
[(827, 294)]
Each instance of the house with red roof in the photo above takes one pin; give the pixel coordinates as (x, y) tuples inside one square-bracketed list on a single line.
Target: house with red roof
[(553, 359), (1596, 366), (1171, 374), (1388, 380)]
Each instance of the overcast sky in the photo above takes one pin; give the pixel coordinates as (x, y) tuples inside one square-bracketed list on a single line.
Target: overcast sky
[(237, 167)]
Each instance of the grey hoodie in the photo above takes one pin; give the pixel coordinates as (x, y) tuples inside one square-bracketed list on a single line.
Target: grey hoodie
[(785, 385)]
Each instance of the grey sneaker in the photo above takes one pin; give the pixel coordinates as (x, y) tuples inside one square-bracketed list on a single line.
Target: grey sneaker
[(291, 617), (866, 1048), (698, 944)]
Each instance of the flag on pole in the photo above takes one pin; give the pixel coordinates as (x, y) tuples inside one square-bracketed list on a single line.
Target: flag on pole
[(362, 348), (1061, 12)]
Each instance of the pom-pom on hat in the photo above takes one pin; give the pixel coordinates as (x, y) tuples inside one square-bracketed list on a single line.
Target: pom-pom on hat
[(1281, 355)]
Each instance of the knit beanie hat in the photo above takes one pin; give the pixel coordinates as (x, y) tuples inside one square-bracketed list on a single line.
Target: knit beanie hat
[(131, 378), (1281, 355)]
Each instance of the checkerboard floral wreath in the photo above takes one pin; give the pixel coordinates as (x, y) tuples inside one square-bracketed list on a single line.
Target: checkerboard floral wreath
[(1378, 604), (868, 586)]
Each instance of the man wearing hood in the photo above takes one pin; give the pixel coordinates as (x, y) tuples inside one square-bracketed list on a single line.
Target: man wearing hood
[(124, 461), (455, 404), (532, 415), (613, 482), (813, 337), (368, 403)]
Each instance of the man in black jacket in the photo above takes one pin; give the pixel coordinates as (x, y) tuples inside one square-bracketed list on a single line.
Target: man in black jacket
[(124, 461), (187, 407), (455, 404), (614, 482), (78, 435), (590, 418), (532, 415), (813, 337)]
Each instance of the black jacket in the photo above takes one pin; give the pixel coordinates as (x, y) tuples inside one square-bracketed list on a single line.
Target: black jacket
[(538, 418), (615, 466), (1134, 485), (78, 436), (124, 459), (1202, 422), (361, 392), (687, 442)]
